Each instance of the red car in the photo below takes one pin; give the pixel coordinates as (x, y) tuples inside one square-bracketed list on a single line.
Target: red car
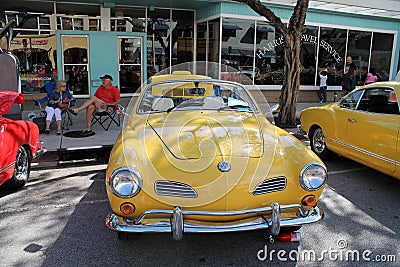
[(19, 143)]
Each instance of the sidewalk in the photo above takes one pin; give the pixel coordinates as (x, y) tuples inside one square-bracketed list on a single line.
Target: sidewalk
[(60, 147)]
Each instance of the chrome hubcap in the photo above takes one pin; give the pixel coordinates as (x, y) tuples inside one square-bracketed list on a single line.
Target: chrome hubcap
[(21, 165), (318, 141)]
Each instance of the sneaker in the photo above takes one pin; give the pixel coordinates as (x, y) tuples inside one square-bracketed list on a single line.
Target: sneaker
[(58, 132), (87, 132), (47, 131)]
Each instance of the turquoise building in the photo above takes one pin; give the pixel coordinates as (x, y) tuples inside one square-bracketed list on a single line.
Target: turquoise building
[(79, 41)]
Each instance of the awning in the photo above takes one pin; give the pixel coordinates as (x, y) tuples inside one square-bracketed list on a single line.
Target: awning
[(263, 28), (247, 53), (230, 27)]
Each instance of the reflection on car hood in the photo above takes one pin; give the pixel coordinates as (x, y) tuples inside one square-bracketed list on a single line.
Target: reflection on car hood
[(191, 136)]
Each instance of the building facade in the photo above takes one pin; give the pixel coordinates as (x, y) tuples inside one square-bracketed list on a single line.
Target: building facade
[(81, 41)]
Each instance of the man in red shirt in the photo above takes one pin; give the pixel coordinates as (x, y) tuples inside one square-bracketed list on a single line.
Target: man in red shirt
[(106, 95)]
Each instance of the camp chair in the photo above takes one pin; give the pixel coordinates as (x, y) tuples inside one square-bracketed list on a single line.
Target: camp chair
[(41, 103), (107, 117)]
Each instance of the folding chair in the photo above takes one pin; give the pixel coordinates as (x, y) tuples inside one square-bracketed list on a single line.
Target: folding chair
[(66, 117), (107, 117)]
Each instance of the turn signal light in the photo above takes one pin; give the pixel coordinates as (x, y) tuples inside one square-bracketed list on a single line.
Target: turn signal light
[(127, 208), (309, 201)]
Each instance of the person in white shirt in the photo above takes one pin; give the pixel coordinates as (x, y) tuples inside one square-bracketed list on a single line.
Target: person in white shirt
[(323, 76)]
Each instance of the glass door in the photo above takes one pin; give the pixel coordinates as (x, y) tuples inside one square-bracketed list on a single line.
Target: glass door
[(130, 64), (76, 63)]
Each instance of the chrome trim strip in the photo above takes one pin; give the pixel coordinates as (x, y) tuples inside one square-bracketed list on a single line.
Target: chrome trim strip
[(260, 222), (374, 155), (12, 164)]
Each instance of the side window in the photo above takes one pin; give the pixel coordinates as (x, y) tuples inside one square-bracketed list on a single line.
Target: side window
[(350, 101), (379, 100)]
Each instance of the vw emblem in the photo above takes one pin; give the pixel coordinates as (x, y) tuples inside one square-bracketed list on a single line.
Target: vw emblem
[(224, 166)]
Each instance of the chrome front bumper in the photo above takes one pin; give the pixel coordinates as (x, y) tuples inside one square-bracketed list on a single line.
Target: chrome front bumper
[(177, 225), (40, 150)]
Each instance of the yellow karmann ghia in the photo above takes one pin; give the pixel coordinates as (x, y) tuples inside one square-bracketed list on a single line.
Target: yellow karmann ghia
[(197, 155), (363, 126)]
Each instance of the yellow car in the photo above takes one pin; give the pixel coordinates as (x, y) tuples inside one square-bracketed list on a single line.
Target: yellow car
[(197, 155), (364, 126)]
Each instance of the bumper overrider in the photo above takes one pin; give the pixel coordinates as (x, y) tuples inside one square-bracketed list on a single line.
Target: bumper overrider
[(40, 151), (177, 224)]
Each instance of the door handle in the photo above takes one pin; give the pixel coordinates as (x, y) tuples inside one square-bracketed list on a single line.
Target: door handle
[(351, 120)]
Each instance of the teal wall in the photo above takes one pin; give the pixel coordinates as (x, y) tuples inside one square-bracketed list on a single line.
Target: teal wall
[(103, 54)]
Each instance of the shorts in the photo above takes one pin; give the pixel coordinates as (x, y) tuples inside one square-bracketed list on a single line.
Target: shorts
[(100, 109)]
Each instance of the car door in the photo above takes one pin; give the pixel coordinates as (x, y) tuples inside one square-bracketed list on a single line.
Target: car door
[(372, 129)]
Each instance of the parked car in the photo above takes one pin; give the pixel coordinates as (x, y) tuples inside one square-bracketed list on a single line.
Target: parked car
[(19, 143), (198, 155), (364, 126)]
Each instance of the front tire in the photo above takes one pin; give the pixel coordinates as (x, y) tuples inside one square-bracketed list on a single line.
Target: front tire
[(317, 143), (22, 169)]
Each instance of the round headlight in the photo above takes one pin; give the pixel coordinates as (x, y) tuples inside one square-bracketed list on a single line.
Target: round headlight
[(313, 176), (125, 182)]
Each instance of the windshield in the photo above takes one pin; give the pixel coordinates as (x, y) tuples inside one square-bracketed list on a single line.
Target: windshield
[(195, 95)]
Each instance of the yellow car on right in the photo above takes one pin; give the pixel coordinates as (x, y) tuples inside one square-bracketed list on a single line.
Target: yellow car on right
[(363, 126)]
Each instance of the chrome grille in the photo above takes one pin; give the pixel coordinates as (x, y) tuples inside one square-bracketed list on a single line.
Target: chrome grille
[(270, 185), (174, 189)]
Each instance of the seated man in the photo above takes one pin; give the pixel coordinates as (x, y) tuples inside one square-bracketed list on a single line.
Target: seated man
[(106, 95)]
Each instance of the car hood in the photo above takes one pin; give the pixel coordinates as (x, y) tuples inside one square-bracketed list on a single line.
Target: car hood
[(200, 134)]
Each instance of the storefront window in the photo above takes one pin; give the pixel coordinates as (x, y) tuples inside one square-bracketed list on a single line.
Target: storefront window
[(75, 63), (70, 23), (308, 52), (358, 47), (201, 41), (182, 36), (37, 24), (130, 70), (238, 46), (128, 19), (37, 61), (269, 55), (118, 25), (332, 47), (213, 45), (158, 43), (381, 54), (94, 24)]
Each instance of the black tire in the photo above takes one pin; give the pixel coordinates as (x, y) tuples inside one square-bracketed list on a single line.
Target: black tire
[(317, 143), (124, 236), (289, 229), (22, 169)]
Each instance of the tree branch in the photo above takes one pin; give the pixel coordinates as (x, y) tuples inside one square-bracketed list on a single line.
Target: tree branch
[(264, 11)]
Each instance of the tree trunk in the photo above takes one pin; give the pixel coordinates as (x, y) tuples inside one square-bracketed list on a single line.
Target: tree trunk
[(292, 36), (291, 82)]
